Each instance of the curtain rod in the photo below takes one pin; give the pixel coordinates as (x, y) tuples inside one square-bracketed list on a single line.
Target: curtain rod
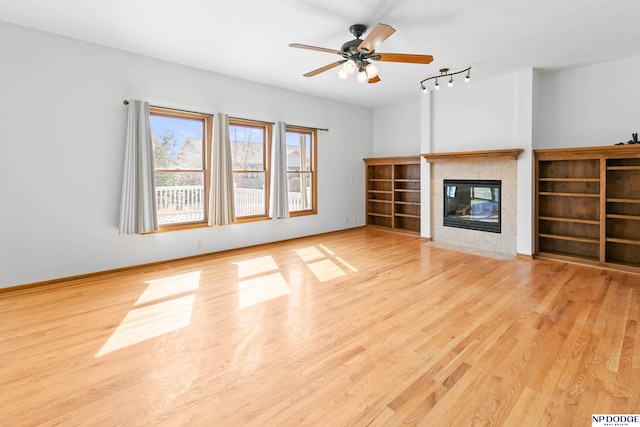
[(310, 127), (126, 102), (252, 120)]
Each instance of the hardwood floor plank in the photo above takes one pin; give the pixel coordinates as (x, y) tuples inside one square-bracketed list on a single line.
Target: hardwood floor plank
[(361, 328)]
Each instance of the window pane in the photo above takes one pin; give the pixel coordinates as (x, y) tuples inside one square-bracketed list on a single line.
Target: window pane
[(177, 142), (481, 193), (247, 145), (249, 193), (180, 196), (298, 151), (300, 193)]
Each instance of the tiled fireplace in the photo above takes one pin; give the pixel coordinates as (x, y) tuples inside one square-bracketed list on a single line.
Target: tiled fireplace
[(483, 169)]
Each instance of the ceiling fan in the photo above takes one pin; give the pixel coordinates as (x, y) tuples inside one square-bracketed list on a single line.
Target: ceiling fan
[(358, 54)]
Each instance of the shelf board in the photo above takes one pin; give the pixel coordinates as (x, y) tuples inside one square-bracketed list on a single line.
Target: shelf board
[(379, 179), (570, 179), (408, 215), (623, 168), (407, 203), (380, 191), (624, 241), (571, 238), (629, 217), (550, 193), (406, 180), (379, 201), (379, 214), (566, 256), (573, 220), (406, 190), (613, 200)]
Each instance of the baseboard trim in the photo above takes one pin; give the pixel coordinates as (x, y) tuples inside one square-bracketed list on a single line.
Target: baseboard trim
[(151, 265)]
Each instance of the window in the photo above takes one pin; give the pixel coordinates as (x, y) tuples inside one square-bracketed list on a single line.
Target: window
[(181, 143), (301, 170), (250, 150)]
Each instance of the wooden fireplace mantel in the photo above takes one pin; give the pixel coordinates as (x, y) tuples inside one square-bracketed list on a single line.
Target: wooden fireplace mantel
[(474, 156)]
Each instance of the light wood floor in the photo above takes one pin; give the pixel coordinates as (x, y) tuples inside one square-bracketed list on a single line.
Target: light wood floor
[(359, 328)]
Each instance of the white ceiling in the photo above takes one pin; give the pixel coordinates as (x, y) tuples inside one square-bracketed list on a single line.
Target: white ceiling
[(249, 38)]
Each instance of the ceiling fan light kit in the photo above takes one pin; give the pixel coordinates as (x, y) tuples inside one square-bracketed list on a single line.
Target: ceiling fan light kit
[(444, 72), (358, 54)]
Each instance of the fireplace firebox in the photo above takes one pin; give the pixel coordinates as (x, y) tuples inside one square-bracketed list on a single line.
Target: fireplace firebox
[(473, 204)]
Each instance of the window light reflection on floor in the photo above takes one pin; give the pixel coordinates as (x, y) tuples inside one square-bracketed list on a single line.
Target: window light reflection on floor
[(265, 281), (325, 270), (263, 288), (323, 262), (256, 266), (162, 308)]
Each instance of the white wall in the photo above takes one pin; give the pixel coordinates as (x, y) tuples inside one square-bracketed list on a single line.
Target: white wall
[(479, 115), (62, 129), (396, 129), (589, 106)]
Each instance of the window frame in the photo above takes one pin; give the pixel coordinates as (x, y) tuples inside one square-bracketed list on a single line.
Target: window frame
[(267, 129), (313, 134), (207, 120)]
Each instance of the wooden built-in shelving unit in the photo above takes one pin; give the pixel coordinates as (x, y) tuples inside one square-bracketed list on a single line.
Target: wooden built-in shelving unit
[(588, 205), (393, 193)]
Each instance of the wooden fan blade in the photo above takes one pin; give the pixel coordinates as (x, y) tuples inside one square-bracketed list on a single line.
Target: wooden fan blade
[(375, 79), (380, 33), (321, 49), (403, 57), (325, 68)]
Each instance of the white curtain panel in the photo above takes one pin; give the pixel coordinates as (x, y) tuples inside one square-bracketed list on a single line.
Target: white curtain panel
[(221, 198), (279, 203), (138, 203)]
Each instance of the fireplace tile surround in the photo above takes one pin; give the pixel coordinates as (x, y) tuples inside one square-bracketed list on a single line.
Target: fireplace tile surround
[(475, 166)]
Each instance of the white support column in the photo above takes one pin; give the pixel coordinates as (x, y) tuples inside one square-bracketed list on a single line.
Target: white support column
[(425, 169)]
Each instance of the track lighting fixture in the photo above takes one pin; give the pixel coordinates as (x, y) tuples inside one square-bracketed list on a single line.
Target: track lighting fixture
[(444, 72)]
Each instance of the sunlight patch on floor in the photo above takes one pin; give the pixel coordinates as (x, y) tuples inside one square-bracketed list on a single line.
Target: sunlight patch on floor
[(326, 264), (326, 270), (256, 266), (310, 254), (163, 308), (166, 287), (149, 322), (261, 289), (346, 264)]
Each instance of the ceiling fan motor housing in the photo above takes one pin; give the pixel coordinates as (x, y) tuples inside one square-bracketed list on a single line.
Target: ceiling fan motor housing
[(357, 30), (351, 47)]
